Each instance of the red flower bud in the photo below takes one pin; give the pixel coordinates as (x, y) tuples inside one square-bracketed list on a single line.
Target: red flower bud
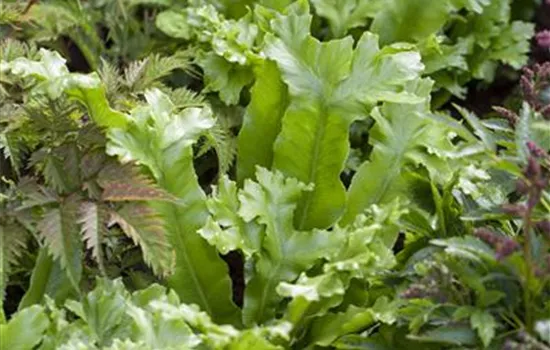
[(505, 248), (514, 209), (487, 236), (544, 226), (535, 150), (533, 169), (508, 114), (522, 187)]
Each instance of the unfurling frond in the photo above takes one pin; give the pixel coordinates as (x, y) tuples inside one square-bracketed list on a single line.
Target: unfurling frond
[(144, 226)]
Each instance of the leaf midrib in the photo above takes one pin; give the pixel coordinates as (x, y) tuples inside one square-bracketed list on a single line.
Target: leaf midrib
[(182, 247), (321, 131)]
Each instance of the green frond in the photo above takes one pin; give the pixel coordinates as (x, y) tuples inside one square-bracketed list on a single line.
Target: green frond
[(11, 49), (133, 73), (110, 76), (13, 240), (224, 142), (184, 98), (13, 150), (159, 67), (147, 73)]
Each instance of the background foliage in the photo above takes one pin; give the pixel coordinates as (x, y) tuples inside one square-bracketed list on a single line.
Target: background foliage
[(264, 174)]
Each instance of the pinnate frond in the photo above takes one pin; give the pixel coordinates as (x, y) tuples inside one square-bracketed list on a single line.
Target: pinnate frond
[(144, 226), (13, 240), (94, 219), (59, 231), (124, 183)]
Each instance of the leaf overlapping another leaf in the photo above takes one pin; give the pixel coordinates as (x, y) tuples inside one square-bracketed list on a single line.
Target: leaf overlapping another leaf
[(330, 85), (161, 139), (53, 78)]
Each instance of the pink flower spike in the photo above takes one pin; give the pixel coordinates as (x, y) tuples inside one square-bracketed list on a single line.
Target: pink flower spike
[(543, 38)]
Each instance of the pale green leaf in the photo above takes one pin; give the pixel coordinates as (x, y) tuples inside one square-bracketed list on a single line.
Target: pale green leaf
[(330, 85), (200, 275), (103, 311), (543, 329), (485, 324), (410, 20), (404, 137), (25, 330), (344, 15), (226, 77), (262, 121)]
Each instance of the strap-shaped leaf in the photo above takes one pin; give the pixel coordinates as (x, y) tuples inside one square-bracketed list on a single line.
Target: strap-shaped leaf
[(404, 137), (330, 85), (262, 121), (200, 275), (258, 220), (48, 278), (59, 230)]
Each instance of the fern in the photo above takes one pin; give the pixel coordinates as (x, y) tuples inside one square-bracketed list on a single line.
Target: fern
[(125, 183), (145, 227), (158, 67), (184, 98), (13, 241), (11, 49), (13, 150), (59, 231), (224, 142), (93, 220), (110, 76)]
